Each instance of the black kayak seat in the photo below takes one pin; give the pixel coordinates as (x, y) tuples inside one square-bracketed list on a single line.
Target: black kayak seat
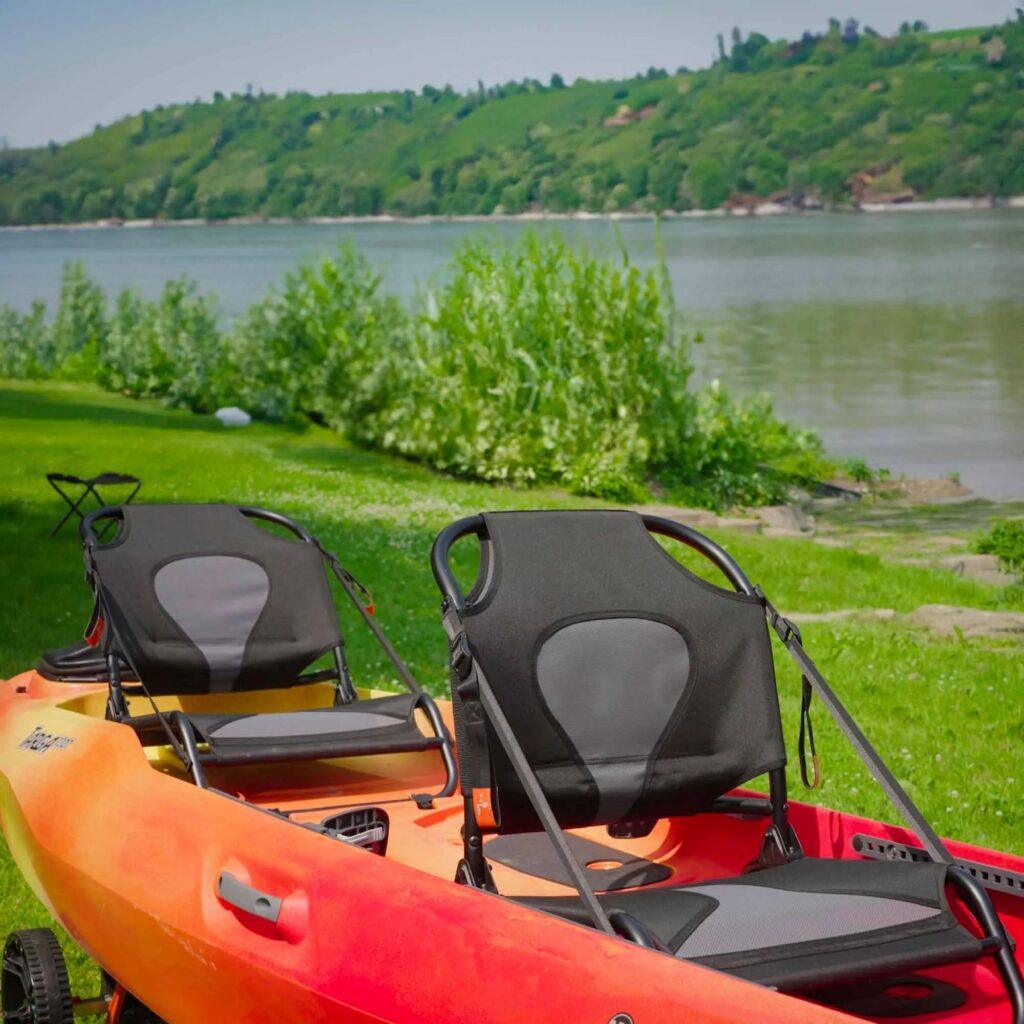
[(616, 688), (202, 600), (800, 925)]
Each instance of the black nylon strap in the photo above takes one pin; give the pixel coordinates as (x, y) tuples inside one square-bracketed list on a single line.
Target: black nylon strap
[(806, 738), (541, 807), (879, 770), (470, 720), (350, 584)]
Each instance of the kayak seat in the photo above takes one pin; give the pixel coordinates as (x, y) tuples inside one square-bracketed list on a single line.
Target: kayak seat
[(201, 599), (597, 681), (381, 725), (802, 924)]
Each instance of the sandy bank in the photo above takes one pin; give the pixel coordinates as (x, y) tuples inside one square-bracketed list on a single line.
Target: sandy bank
[(766, 209)]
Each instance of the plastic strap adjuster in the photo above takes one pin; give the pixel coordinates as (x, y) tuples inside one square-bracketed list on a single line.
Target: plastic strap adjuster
[(461, 657)]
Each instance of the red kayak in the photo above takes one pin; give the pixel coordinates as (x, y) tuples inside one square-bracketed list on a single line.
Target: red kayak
[(237, 833)]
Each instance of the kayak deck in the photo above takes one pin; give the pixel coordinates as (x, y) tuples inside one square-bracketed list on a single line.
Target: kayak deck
[(428, 840)]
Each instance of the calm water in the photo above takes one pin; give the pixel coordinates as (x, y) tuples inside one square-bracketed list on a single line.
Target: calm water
[(899, 336)]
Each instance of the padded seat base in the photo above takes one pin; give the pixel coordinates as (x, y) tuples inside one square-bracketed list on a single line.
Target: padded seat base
[(377, 726), (802, 925)]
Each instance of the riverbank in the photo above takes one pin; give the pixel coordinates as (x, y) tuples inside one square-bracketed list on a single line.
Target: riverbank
[(762, 209)]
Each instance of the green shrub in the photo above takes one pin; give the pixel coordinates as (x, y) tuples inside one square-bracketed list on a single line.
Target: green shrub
[(131, 362), (25, 344), (736, 453), (540, 363), (320, 347), (189, 341), (1005, 540), (859, 470), (80, 324), (169, 349)]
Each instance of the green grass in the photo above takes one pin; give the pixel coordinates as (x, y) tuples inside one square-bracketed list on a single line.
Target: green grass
[(947, 714)]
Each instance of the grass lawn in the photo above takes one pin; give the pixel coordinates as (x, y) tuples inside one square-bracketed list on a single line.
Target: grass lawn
[(948, 714)]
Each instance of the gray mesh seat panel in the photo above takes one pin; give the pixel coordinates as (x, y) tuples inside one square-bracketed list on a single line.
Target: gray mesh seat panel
[(298, 723), (811, 922), (216, 601), (385, 723), (756, 916)]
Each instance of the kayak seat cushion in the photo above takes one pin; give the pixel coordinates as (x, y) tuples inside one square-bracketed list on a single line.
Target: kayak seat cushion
[(378, 725), (804, 924)]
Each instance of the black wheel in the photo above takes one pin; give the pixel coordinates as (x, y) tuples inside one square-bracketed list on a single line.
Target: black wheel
[(34, 984)]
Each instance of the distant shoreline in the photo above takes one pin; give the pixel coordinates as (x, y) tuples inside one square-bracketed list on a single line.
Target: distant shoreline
[(765, 209)]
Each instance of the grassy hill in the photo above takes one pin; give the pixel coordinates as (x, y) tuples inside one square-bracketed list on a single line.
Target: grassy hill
[(840, 115)]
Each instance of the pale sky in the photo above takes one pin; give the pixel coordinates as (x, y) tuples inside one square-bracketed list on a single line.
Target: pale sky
[(66, 65)]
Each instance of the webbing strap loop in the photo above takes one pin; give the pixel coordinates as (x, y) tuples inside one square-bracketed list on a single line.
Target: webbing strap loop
[(806, 738), (879, 770), (470, 720)]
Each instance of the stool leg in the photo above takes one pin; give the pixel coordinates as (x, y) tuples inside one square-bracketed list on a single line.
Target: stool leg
[(72, 509)]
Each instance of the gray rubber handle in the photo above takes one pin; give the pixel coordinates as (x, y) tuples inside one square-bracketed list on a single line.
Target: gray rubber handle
[(246, 898)]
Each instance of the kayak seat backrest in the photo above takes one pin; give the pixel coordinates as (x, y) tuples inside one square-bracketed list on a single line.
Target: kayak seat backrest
[(200, 599), (637, 689)]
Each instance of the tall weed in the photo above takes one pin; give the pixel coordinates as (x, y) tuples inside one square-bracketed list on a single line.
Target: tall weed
[(540, 363)]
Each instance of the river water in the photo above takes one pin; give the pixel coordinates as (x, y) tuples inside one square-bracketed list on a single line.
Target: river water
[(899, 336)]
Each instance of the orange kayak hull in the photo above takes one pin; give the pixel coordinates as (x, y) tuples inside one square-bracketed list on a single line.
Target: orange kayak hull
[(127, 854)]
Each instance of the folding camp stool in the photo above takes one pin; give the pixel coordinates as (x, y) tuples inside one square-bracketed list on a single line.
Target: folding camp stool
[(89, 486)]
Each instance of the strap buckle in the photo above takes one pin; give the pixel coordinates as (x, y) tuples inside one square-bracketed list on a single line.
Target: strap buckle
[(461, 657), (784, 628)]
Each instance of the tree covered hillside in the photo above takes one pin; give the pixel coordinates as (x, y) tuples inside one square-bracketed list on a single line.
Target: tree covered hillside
[(838, 116)]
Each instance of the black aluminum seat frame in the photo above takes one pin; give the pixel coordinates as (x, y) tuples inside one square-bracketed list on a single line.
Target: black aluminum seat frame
[(781, 845), (194, 736)]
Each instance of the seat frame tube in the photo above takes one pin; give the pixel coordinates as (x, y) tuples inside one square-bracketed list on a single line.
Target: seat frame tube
[(996, 942), (177, 725)]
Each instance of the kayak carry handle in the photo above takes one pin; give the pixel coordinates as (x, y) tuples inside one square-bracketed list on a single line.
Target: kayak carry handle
[(244, 897)]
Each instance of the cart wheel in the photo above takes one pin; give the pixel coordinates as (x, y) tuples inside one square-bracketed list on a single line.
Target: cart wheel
[(34, 985)]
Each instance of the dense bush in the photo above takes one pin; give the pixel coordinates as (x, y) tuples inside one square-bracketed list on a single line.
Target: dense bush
[(1005, 540), (24, 342), (737, 453), (533, 363), (319, 347), (171, 348), (81, 322), (540, 363)]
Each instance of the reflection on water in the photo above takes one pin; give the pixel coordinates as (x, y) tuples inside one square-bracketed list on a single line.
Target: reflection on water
[(923, 389), (900, 336)]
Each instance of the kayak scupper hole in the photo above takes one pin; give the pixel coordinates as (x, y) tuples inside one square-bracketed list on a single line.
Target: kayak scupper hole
[(262, 903), (908, 990)]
